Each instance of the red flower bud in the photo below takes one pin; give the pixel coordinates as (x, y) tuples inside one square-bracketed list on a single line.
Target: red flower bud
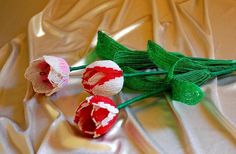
[(96, 115)]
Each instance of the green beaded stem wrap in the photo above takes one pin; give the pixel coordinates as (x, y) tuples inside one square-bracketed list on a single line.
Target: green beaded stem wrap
[(181, 89)]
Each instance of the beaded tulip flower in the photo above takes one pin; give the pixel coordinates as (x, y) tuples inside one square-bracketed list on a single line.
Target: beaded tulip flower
[(48, 74), (96, 115), (103, 78)]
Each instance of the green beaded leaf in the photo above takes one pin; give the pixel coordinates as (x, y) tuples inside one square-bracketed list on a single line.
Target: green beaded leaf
[(91, 57), (186, 92), (107, 47), (180, 55), (139, 84), (160, 57), (134, 59), (198, 77), (166, 60), (182, 85)]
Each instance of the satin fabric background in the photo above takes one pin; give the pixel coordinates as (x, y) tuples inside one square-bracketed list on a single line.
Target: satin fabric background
[(32, 123)]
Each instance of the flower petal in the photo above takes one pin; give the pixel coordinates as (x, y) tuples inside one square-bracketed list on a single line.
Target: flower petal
[(84, 120), (99, 114), (105, 105), (32, 73), (104, 129), (59, 65)]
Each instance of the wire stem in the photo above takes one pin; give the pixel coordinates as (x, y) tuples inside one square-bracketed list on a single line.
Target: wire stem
[(140, 97), (225, 71), (144, 73), (77, 68)]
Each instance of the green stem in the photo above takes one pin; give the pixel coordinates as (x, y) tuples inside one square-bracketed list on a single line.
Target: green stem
[(140, 97), (77, 68), (225, 71), (144, 73), (125, 74)]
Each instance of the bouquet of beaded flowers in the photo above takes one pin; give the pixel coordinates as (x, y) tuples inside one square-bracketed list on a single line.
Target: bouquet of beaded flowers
[(151, 73)]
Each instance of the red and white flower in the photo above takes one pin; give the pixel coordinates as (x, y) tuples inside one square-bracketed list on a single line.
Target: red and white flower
[(96, 115), (48, 74), (103, 78)]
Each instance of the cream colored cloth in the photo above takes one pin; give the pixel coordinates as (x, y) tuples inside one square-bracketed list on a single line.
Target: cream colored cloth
[(32, 123)]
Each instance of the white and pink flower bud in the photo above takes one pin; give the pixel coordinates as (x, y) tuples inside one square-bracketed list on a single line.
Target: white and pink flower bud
[(48, 74)]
